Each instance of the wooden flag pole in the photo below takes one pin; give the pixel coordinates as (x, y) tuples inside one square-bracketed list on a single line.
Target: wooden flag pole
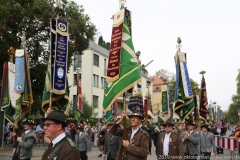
[(124, 157)]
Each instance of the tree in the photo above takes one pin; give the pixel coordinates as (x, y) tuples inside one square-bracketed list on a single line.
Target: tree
[(232, 114), (32, 17), (102, 43)]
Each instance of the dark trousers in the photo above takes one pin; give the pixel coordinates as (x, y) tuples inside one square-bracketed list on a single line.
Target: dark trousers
[(83, 155), (150, 145), (205, 155), (190, 157), (109, 157)]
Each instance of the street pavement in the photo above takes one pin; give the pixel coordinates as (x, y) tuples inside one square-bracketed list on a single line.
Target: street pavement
[(7, 151)]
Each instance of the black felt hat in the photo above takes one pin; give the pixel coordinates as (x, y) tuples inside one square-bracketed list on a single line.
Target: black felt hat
[(80, 128), (57, 116), (137, 114), (205, 126), (191, 123), (29, 121)]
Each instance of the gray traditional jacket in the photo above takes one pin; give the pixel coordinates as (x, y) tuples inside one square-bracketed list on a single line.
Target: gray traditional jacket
[(207, 142), (111, 145), (83, 142), (192, 143), (27, 143)]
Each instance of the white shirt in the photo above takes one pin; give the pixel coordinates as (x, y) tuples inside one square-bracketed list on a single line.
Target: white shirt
[(58, 138), (27, 131), (80, 134), (134, 132), (166, 144), (190, 132)]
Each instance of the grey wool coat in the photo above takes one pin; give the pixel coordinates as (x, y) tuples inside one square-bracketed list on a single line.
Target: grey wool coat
[(27, 143), (207, 142), (193, 143), (83, 142)]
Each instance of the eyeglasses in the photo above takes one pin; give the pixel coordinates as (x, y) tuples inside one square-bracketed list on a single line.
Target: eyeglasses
[(48, 124), (168, 126)]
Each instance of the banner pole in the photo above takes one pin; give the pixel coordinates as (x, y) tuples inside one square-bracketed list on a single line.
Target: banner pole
[(125, 127), (3, 131)]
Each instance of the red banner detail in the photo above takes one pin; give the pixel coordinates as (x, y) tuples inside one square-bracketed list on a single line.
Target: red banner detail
[(115, 52), (4, 79), (79, 91), (145, 108)]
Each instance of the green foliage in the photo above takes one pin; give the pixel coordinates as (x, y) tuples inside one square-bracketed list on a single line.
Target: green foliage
[(32, 17), (102, 43), (232, 114)]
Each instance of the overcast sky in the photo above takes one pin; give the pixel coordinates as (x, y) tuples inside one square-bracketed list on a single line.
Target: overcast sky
[(209, 29)]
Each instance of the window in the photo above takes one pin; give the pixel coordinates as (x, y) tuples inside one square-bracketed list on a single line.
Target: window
[(74, 101), (105, 67), (75, 78), (95, 101), (96, 60), (77, 61), (103, 82), (95, 80)]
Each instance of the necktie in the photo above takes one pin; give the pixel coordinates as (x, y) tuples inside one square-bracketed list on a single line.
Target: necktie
[(50, 145)]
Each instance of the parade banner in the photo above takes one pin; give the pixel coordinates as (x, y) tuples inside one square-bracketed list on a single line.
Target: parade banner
[(115, 47), (5, 100), (129, 69), (164, 113), (145, 108), (135, 103), (61, 57), (79, 96), (15, 97), (19, 70), (184, 104), (58, 101), (203, 111)]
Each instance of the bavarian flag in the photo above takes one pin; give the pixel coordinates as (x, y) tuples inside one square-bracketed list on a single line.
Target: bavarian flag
[(58, 101), (123, 69), (184, 104)]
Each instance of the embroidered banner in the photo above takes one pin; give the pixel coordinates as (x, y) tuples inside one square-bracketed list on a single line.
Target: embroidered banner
[(184, 104), (5, 100), (61, 55), (164, 113), (19, 70), (79, 96), (115, 47), (203, 102), (136, 103)]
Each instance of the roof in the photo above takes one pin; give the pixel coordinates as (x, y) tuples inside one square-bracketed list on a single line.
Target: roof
[(157, 83)]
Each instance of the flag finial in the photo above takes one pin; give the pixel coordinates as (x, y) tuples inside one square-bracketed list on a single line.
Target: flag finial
[(23, 39), (122, 3), (11, 52), (59, 4), (179, 41)]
